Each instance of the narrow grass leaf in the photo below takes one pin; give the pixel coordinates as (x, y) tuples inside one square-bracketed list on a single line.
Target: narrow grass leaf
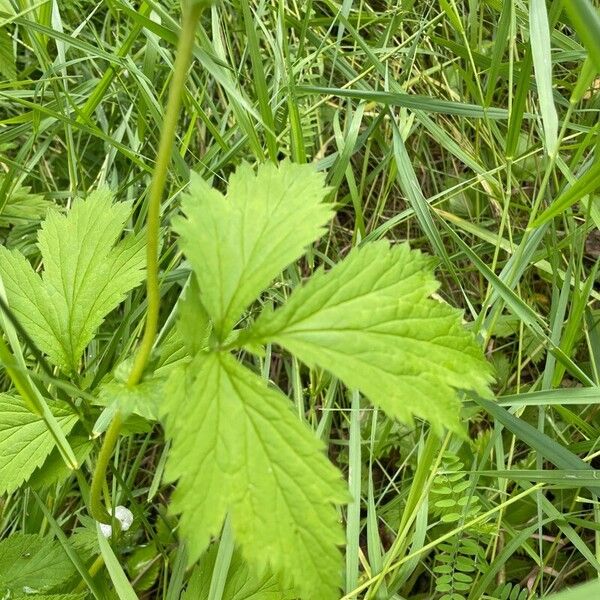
[(539, 38), (586, 20), (115, 570), (413, 101), (586, 184), (546, 446)]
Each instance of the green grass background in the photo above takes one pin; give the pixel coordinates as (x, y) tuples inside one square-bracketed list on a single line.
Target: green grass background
[(455, 125)]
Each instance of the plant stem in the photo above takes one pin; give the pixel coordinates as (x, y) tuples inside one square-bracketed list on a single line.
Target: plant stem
[(157, 186), (185, 45), (97, 508)]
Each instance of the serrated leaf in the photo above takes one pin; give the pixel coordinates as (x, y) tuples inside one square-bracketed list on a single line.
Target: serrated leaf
[(32, 562), (193, 323), (142, 399), (371, 322), (25, 441), (86, 275), (21, 206), (239, 449), (54, 468), (238, 243), (242, 583)]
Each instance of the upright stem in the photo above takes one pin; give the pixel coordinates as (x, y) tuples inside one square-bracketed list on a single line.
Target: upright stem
[(157, 186)]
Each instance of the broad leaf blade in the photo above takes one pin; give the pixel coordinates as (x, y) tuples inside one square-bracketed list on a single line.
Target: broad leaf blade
[(238, 448), (25, 441), (31, 561), (30, 303), (370, 321), (579, 592), (85, 276), (238, 243)]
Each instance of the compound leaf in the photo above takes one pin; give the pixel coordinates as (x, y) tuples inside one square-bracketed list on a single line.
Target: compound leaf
[(86, 275), (239, 449), (25, 441), (371, 322), (238, 243)]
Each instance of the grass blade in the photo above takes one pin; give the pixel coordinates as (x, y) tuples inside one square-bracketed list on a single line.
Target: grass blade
[(586, 21), (114, 568), (546, 446), (585, 185), (539, 38)]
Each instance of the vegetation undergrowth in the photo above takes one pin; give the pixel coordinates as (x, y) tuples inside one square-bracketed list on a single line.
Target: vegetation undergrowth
[(298, 300)]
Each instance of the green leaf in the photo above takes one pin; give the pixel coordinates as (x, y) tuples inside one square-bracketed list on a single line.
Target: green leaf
[(114, 568), (586, 21), (86, 275), (25, 441), (193, 323), (411, 101), (7, 55), (142, 399), (32, 562), (586, 184), (54, 468), (580, 592), (239, 449), (371, 322), (81, 596), (238, 243), (539, 441), (242, 582), (21, 206), (539, 38)]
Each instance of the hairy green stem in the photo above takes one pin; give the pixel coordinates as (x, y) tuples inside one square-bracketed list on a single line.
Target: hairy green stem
[(157, 187)]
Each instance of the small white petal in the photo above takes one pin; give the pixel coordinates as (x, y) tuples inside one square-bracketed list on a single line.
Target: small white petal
[(124, 516), (106, 530)]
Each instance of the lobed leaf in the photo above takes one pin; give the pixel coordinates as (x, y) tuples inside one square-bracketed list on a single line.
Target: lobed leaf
[(25, 441), (239, 449), (86, 275), (238, 243), (371, 322)]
